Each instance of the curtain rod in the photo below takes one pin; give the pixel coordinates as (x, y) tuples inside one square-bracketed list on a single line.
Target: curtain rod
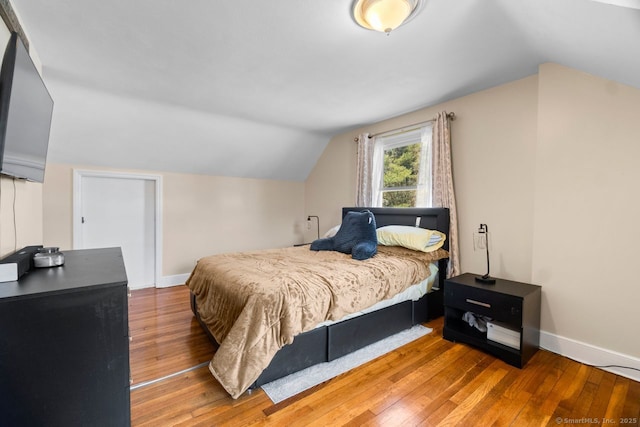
[(452, 116)]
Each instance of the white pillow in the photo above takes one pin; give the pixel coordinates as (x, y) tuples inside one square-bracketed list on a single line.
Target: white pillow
[(418, 239), (332, 232)]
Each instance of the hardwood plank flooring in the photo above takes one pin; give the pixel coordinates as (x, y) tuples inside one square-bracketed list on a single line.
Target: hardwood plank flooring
[(166, 338), (429, 382)]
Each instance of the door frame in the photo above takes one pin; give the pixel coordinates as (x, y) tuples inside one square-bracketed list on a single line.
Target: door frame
[(78, 174)]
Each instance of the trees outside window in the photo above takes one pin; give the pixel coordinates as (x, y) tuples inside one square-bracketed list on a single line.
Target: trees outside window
[(406, 169), (400, 179)]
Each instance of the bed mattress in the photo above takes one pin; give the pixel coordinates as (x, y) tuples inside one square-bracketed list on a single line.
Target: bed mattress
[(412, 293)]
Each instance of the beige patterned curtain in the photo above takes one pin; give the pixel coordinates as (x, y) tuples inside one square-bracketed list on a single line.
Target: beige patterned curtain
[(364, 188), (442, 192)]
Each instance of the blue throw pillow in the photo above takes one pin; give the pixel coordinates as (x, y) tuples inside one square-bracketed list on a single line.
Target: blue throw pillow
[(356, 236)]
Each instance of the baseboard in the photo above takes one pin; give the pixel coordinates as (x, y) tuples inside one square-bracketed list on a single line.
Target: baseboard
[(591, 355), (166, 282), (177, 279)]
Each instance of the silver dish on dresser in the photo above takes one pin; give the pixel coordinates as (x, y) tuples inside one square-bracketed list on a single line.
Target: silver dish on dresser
[(48, 257)]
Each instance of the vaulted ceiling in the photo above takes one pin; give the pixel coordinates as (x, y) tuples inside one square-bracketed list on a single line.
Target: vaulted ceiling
[(257, 88)]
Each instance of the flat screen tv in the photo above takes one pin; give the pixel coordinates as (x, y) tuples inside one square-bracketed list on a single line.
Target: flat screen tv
[(26, 108)]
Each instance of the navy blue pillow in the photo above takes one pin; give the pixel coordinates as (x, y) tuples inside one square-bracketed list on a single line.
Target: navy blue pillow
[(356, 236)]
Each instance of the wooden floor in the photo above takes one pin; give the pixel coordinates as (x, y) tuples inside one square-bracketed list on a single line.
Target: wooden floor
[(430, 382)]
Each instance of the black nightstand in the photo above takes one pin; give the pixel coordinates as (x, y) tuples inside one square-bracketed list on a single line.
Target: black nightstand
[(514, 307)]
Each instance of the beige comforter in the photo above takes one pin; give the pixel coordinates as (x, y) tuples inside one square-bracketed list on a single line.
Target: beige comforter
[(256, 302)]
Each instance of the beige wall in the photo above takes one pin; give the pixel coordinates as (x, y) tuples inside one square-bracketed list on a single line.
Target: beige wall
[(205, 215), (202, 215), (549, 162), (586, 208), (493, 140), (21, 226)]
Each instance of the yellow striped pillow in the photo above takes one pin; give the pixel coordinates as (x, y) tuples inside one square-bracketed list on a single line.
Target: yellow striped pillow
[(418, 239)]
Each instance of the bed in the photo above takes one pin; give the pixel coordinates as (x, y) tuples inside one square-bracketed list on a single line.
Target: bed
[(235, 366)]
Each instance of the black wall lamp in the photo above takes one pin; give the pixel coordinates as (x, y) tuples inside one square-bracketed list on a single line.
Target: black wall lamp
[(483, 229)]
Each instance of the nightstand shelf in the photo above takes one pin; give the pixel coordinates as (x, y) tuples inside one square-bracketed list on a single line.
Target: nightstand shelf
[(513, 304)]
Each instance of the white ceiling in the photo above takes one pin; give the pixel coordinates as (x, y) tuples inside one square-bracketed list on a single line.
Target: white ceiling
[(270, 82)]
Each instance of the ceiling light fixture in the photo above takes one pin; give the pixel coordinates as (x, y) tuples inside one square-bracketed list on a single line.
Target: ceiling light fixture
[(384, 15)]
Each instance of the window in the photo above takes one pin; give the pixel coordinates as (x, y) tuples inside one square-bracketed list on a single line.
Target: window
[(402, 168)]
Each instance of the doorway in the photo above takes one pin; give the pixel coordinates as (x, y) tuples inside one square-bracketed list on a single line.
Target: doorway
[(123, 210)]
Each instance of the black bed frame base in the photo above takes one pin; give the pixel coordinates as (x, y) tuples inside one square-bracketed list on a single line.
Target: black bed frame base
[(327, 343)]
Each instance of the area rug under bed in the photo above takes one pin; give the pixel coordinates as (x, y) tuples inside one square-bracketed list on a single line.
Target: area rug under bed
[(295, 383)]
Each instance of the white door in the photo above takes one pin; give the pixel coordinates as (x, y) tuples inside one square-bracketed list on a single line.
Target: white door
[(121, 212)]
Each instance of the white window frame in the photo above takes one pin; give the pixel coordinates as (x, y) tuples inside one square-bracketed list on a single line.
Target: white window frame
[(402, 138)]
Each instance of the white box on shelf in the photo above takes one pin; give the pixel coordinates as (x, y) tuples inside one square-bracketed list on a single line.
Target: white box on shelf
[(503, 335), (8, 272)]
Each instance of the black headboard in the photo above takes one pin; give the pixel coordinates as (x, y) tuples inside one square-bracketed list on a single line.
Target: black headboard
[(431, 218)]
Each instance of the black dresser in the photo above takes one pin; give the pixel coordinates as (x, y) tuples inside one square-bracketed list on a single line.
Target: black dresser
[(64, 346)]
